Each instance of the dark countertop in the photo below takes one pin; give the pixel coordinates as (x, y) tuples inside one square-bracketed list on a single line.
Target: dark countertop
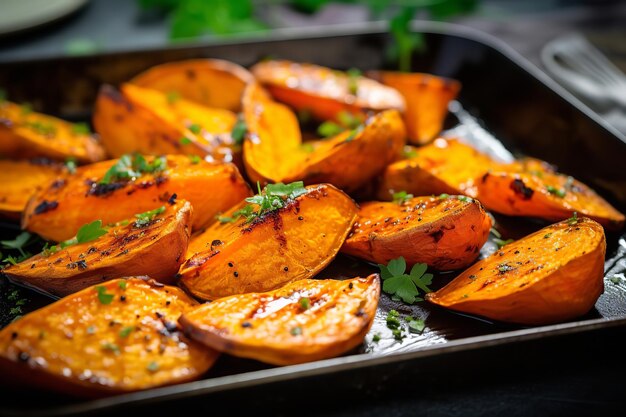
[(575, 375)]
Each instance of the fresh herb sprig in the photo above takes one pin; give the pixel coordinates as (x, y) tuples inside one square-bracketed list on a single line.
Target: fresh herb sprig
[(401, 197), (133, 166), (143, 219), (405, 287), (87, 233)]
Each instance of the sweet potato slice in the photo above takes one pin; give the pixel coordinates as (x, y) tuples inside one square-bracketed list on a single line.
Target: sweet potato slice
[(532, 188), (324, 92), (141, 120), (20, 180), (549, 276), (58, 211), (444, 166), (303, 321), (209, 82), (284, 245), (273, 151), (154, 245), (445, 233), (117, 337), (427, 98), (27, 134)]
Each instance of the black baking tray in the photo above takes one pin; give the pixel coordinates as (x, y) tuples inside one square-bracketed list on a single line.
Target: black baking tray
[(514, 101)]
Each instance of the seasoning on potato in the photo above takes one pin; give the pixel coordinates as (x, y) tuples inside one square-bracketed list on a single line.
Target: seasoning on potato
[(303, 321)]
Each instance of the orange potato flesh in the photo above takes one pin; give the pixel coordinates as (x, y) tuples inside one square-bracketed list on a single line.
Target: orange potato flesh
[(156, 249), (427, 98), (274, 152), (142, 120), (209, 82), (20, 180), (444, 166), (552, 275), (445, 233), (26, 134), (324, 92), (81, 346), (285, 245), (275, 327), (529, 189), (60, 210)]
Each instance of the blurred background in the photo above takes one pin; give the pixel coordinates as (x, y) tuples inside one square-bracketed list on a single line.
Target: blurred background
[(541, 30)]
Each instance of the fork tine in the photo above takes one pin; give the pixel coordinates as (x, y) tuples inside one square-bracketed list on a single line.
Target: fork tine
[(594, 56), (572, 58)]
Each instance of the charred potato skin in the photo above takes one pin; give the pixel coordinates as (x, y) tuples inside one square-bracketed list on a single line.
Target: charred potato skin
[(156, 250), (445, 233), (288, 244), (57, 212), (63, 346), (340, 315), (550, 276)]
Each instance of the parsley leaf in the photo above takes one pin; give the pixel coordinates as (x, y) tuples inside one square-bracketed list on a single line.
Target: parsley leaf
[(555, 191), (128, 167), (401, 197), (353, 80), (126, 331), (405, 287), (416, 325), (103, 296), (573, 220), (90, 232), (329, 129), (70, 164), (144, 218), (81, 129), (185, 141), (305, 303), (239, 131), (18, 243), (271, 198), (501, 243), (409, 152)]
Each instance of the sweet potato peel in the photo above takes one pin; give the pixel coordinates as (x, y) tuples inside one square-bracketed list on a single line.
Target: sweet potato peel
[(20, 180), (117, 337), (445, 233), (209, 82), (59, 210), (531, 188), (291, 243), (323, 92), (27, 134), (552, 275), (155, 247), (427, 98), (273, 151), (304, 321)]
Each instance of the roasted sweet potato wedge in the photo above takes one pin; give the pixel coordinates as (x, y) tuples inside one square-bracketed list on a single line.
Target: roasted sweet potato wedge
[(115, 190), (273, 151), (271, 249), (209, 82), (324, 92), (303, 321), (20, 180), (444, 233), (152, 244), (444, 166), (138, 119), (532, 188), (27, 134), (427, 98), (117, 337), (552, 275)]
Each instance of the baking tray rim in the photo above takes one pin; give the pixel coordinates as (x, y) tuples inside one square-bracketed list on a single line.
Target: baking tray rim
[(363, 360)]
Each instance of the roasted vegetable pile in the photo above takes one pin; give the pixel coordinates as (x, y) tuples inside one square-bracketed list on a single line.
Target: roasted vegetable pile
[(202, 214)]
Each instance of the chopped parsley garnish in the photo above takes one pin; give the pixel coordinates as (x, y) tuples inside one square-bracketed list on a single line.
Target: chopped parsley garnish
[(144, 218), (353, 80), (296, 331), (354, 134), (409, 152), (555, 191), (464, 198), (134, 166), (547, 235), (501, 243), (615, 279), (185, 141), (402, 286), (70, 164), (401, 197), (503, 268), (126, 331), (103, 296), (87, 233), (376, 338), (111, 347), (239, 131), (122, 284), (394, 324), (345, 120), (45, 129), (195, 159), (18, 243), (443, 196), (573, 220), (271, 198), (172, 97), (152, 366), (329, 129), (416, 325), (305, 303), (195, 128), (81, 129)]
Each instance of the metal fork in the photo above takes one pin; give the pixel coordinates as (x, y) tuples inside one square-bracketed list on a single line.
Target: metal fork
[(575, 62)]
